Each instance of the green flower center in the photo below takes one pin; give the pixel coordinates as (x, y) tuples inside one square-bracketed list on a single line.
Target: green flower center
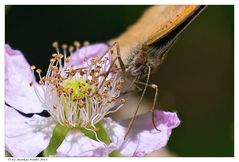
[(80, 97), (78, 86)]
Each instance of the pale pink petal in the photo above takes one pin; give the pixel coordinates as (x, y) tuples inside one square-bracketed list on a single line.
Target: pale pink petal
[(87, 52), (143, 138), (78, 145), (18, 75), (26, 137)]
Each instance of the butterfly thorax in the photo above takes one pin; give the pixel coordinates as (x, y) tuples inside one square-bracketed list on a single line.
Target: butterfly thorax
[(139, 62)]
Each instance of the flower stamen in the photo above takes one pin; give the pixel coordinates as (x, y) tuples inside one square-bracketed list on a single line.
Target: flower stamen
[(79, 97)]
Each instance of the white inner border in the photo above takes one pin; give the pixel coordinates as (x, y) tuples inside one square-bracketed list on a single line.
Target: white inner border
[(115, 2)]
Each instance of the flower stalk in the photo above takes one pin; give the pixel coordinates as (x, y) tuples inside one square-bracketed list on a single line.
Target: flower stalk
[(59, 134)]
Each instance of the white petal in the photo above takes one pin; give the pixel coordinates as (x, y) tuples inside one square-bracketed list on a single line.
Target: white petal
[(78, 145), (18, 75), (143, 137), (77, 58), (26, 137)]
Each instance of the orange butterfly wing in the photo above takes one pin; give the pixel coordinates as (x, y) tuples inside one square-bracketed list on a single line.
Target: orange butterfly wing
[(155, 23)]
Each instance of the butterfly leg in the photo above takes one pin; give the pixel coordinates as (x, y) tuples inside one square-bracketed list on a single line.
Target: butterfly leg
[(155, 87), (140, 100), (118, 57), (121, 63)]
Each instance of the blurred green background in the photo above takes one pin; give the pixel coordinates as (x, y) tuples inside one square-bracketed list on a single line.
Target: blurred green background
[(196, 79)]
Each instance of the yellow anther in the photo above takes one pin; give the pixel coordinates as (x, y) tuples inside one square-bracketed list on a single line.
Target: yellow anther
[(33, 67), (54, 54), (71, 48), (66, 122), (86, 43), (52, 60), (122, 101), (77, 44), (96, 129), (55, 44), (64, 46), (59, 56), (41, 82), (118, 87), (54, 68), (122, 80), (94, 60), (39, 71), (68, 59)]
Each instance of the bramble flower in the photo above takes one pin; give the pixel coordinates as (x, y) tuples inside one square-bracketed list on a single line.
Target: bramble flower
[(64, 114)]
